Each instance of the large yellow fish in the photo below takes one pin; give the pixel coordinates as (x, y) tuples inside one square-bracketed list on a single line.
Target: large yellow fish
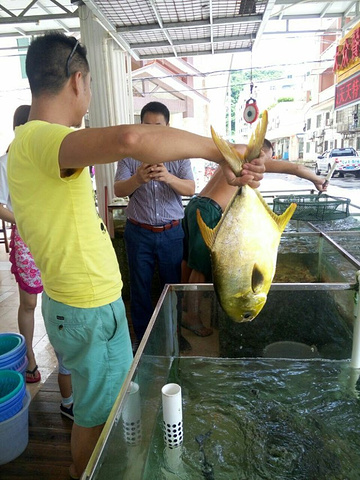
[(245, 242)]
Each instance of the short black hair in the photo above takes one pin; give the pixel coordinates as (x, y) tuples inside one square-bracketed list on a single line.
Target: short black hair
[(267, 145), (47, 60), (21, 115), (155, 107)]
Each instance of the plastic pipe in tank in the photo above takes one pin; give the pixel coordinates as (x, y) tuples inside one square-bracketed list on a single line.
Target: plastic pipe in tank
[(172, 415), (131, 416), (355, 356)]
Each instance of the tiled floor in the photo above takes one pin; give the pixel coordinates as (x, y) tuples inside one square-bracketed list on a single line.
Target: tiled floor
[(9, 302)]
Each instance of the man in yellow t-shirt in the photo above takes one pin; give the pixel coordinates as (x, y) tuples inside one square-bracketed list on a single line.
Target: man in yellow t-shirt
[(54, 208)]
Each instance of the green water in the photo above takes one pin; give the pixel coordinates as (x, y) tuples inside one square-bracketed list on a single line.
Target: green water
[(265, 419)]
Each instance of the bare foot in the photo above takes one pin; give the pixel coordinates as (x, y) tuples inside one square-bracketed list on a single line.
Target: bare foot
[(197, 327), (72, 472)]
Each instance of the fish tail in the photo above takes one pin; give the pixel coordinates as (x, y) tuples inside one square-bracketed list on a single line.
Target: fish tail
[(231, 155), (235, 159), (257, 138), (284, 218), (206, 232)]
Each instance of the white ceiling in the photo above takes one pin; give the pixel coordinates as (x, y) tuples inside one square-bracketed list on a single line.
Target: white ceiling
[(181, 28)]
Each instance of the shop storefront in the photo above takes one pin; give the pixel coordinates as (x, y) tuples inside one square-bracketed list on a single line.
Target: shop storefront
[(347, 90)]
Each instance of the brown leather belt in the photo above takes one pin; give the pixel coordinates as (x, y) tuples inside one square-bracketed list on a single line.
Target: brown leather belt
[(154, 228)]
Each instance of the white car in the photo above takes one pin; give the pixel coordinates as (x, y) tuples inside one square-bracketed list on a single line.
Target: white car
[(346, 159)]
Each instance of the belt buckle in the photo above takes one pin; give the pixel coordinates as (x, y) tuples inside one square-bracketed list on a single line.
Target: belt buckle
[(166, 227)]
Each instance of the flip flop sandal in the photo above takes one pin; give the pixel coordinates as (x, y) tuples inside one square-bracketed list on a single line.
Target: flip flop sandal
[(33, 376)]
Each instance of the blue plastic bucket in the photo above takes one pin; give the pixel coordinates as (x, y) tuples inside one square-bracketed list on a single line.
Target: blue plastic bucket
[(14, 433), (12, 352), (19, 365), (12, 392), (22, 367)]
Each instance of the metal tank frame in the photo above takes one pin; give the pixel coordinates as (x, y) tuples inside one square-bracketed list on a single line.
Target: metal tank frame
[(168, 344)]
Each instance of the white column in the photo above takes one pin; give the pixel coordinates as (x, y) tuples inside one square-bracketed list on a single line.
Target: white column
[(111, 86)]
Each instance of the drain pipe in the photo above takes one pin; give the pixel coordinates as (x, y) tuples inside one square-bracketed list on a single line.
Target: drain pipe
[(131, 416), (173, 427), (172, 415), (132, 428), (355, 356)]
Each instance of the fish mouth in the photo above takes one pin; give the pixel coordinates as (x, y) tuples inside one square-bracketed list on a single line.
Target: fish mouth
[(248, 316), (240, 317), (245, 308)]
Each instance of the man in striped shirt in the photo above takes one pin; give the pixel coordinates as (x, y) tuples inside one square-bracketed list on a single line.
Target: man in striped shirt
[(153, 232)]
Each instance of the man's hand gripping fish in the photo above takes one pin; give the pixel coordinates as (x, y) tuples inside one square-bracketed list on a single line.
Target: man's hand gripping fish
[(245, 242)]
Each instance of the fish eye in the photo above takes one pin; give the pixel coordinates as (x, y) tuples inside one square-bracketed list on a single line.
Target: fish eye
[(247, 315)]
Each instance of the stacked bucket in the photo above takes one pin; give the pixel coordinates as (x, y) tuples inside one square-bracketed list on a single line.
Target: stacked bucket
[(14, 398)]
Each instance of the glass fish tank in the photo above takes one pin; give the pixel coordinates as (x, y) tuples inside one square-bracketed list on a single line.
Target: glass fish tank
[(276, 398)]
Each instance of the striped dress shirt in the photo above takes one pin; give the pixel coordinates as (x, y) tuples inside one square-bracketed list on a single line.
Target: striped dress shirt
[(154, 203)]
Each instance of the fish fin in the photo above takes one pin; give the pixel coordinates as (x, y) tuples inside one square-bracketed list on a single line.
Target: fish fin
[(257, 138), (231, 155), (257, 282), (281, 220), (257, 279), (206, 232)]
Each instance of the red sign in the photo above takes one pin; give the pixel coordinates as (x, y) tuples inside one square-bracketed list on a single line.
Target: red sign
[(347, 92), (348, 52)]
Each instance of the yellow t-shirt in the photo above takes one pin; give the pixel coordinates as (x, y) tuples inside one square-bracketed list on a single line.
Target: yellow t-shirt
[(58, 220)]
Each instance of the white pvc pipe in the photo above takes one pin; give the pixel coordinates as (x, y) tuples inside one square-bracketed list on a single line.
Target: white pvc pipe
[(352, 381), (172, 415), (131, 416), (172, 460), (355, 356)]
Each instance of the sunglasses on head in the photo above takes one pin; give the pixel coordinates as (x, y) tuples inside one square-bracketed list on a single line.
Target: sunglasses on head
[(70, 57)]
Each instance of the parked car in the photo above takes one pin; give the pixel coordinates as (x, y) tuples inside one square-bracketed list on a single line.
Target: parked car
[(346, 159)]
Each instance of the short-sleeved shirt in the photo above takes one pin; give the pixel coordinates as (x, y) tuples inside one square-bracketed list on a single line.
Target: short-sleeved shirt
[(58, 220), (154, 203)]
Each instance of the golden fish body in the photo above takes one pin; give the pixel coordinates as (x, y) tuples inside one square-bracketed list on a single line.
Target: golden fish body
[(243, 249), (245, 242)]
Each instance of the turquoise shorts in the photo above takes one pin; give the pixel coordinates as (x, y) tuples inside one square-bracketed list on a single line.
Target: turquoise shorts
[(61, 368), (94, 344)]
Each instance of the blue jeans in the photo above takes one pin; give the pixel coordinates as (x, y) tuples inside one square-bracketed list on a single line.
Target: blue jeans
[(145, 250)]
